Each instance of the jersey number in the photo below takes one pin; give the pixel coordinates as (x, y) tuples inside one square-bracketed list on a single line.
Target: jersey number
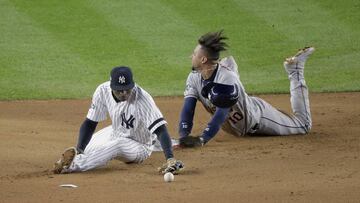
[(236, 117)]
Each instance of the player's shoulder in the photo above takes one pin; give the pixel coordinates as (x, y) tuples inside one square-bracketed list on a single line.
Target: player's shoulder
[(105, 84), (140, 91), (142, 94), (103, 87), (228, 63), (194, 76), (227, 71)]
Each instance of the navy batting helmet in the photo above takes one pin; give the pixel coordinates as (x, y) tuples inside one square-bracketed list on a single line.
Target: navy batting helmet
[(221, 95)]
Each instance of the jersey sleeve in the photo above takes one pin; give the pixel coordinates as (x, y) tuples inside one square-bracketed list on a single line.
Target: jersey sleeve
[(228, 78), (230, 63), (149, 113), (98, 110), (190, 90)]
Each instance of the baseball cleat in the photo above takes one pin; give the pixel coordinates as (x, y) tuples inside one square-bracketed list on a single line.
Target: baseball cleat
[(64, 162), (298, 60)]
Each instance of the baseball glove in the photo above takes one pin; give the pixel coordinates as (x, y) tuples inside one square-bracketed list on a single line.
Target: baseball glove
[(172, 165), (191, 141)]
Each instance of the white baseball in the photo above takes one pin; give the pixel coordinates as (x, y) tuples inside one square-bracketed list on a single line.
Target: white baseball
[(168, 177)]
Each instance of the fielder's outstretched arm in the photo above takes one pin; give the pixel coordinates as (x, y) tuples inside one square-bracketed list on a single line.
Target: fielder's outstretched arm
[(165, 141), (172, 165), (86, 131)]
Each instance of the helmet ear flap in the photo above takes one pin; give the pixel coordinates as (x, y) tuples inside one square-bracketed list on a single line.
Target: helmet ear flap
[(224, 96)]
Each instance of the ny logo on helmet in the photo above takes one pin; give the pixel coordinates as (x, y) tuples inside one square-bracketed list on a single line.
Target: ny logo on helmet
[(122, 79)]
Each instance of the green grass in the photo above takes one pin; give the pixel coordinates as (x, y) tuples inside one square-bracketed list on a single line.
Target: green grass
[(64, 49)]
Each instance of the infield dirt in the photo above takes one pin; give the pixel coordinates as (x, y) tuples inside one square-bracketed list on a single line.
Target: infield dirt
[(323, 166)]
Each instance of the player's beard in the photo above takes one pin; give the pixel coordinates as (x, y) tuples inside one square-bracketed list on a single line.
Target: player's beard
[(121, 97), (195, 69), (205, 73)]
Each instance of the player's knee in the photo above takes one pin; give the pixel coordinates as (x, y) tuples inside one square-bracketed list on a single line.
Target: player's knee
[(135, 157), (142, 156)]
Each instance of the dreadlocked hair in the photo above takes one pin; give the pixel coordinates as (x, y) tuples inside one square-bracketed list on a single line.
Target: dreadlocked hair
[(213, 44)]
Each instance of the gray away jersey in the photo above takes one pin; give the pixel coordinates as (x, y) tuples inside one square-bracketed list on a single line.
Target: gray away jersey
[(137, 118), (240, 119)]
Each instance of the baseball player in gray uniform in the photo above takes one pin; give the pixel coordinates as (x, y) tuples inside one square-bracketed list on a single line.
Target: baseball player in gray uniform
[(216, 84), (136, 124)]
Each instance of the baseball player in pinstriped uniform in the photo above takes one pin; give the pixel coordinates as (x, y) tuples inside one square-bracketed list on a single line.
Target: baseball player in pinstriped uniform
[(216, 84), (136, 124)]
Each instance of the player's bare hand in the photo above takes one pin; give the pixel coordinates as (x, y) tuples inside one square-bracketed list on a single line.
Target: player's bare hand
[(191, 141), (172, 165)]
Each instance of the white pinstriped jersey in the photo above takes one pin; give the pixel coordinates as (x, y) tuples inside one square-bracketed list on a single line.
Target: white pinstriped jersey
[(137, 118), (244, 114)]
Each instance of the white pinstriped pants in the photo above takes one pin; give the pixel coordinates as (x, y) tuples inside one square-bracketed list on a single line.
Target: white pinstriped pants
[(103, 147)]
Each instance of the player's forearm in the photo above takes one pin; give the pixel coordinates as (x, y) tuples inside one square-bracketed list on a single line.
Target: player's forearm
[(86, 131), (187, 116), (214, 125), (165, 141)]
